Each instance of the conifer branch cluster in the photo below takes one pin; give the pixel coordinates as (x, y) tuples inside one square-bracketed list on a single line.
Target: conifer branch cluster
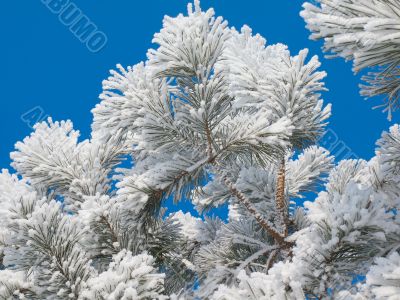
[(367, 32), (217, 117)]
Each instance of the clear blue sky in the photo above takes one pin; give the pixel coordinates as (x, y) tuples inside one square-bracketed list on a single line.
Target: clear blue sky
[(44, 64)]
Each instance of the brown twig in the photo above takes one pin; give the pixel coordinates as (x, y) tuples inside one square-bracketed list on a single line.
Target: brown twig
[(280, 198), (271, 259), (268, 227)]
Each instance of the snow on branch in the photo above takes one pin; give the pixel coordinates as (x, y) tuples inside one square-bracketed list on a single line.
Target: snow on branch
[(367, 32)]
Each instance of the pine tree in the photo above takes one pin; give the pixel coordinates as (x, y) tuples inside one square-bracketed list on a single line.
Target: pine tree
[(367, 32), (215, 116)]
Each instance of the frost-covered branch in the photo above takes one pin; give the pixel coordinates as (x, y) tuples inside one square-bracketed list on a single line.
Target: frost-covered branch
[(366, 32), (217, 117)]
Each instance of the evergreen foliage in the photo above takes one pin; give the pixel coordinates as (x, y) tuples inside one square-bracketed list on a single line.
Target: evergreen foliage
[(218, 117), (367, 32)]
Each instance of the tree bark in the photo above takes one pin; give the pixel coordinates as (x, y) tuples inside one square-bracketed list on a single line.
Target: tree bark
[(280, 198), (268, 227)]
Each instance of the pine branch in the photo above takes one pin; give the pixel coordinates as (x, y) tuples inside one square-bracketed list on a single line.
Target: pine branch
[(256, 255), (280, 198), (268, 227), (209, 141), (271, 259), (366, 32)]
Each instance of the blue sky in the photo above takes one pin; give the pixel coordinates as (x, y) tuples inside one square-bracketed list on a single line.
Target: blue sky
[(44, 65)]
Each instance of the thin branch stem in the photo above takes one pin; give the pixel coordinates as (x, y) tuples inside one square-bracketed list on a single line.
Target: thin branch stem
[(280, 198), (271, 259), (268, 227), (209, 141), (254, 256)]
